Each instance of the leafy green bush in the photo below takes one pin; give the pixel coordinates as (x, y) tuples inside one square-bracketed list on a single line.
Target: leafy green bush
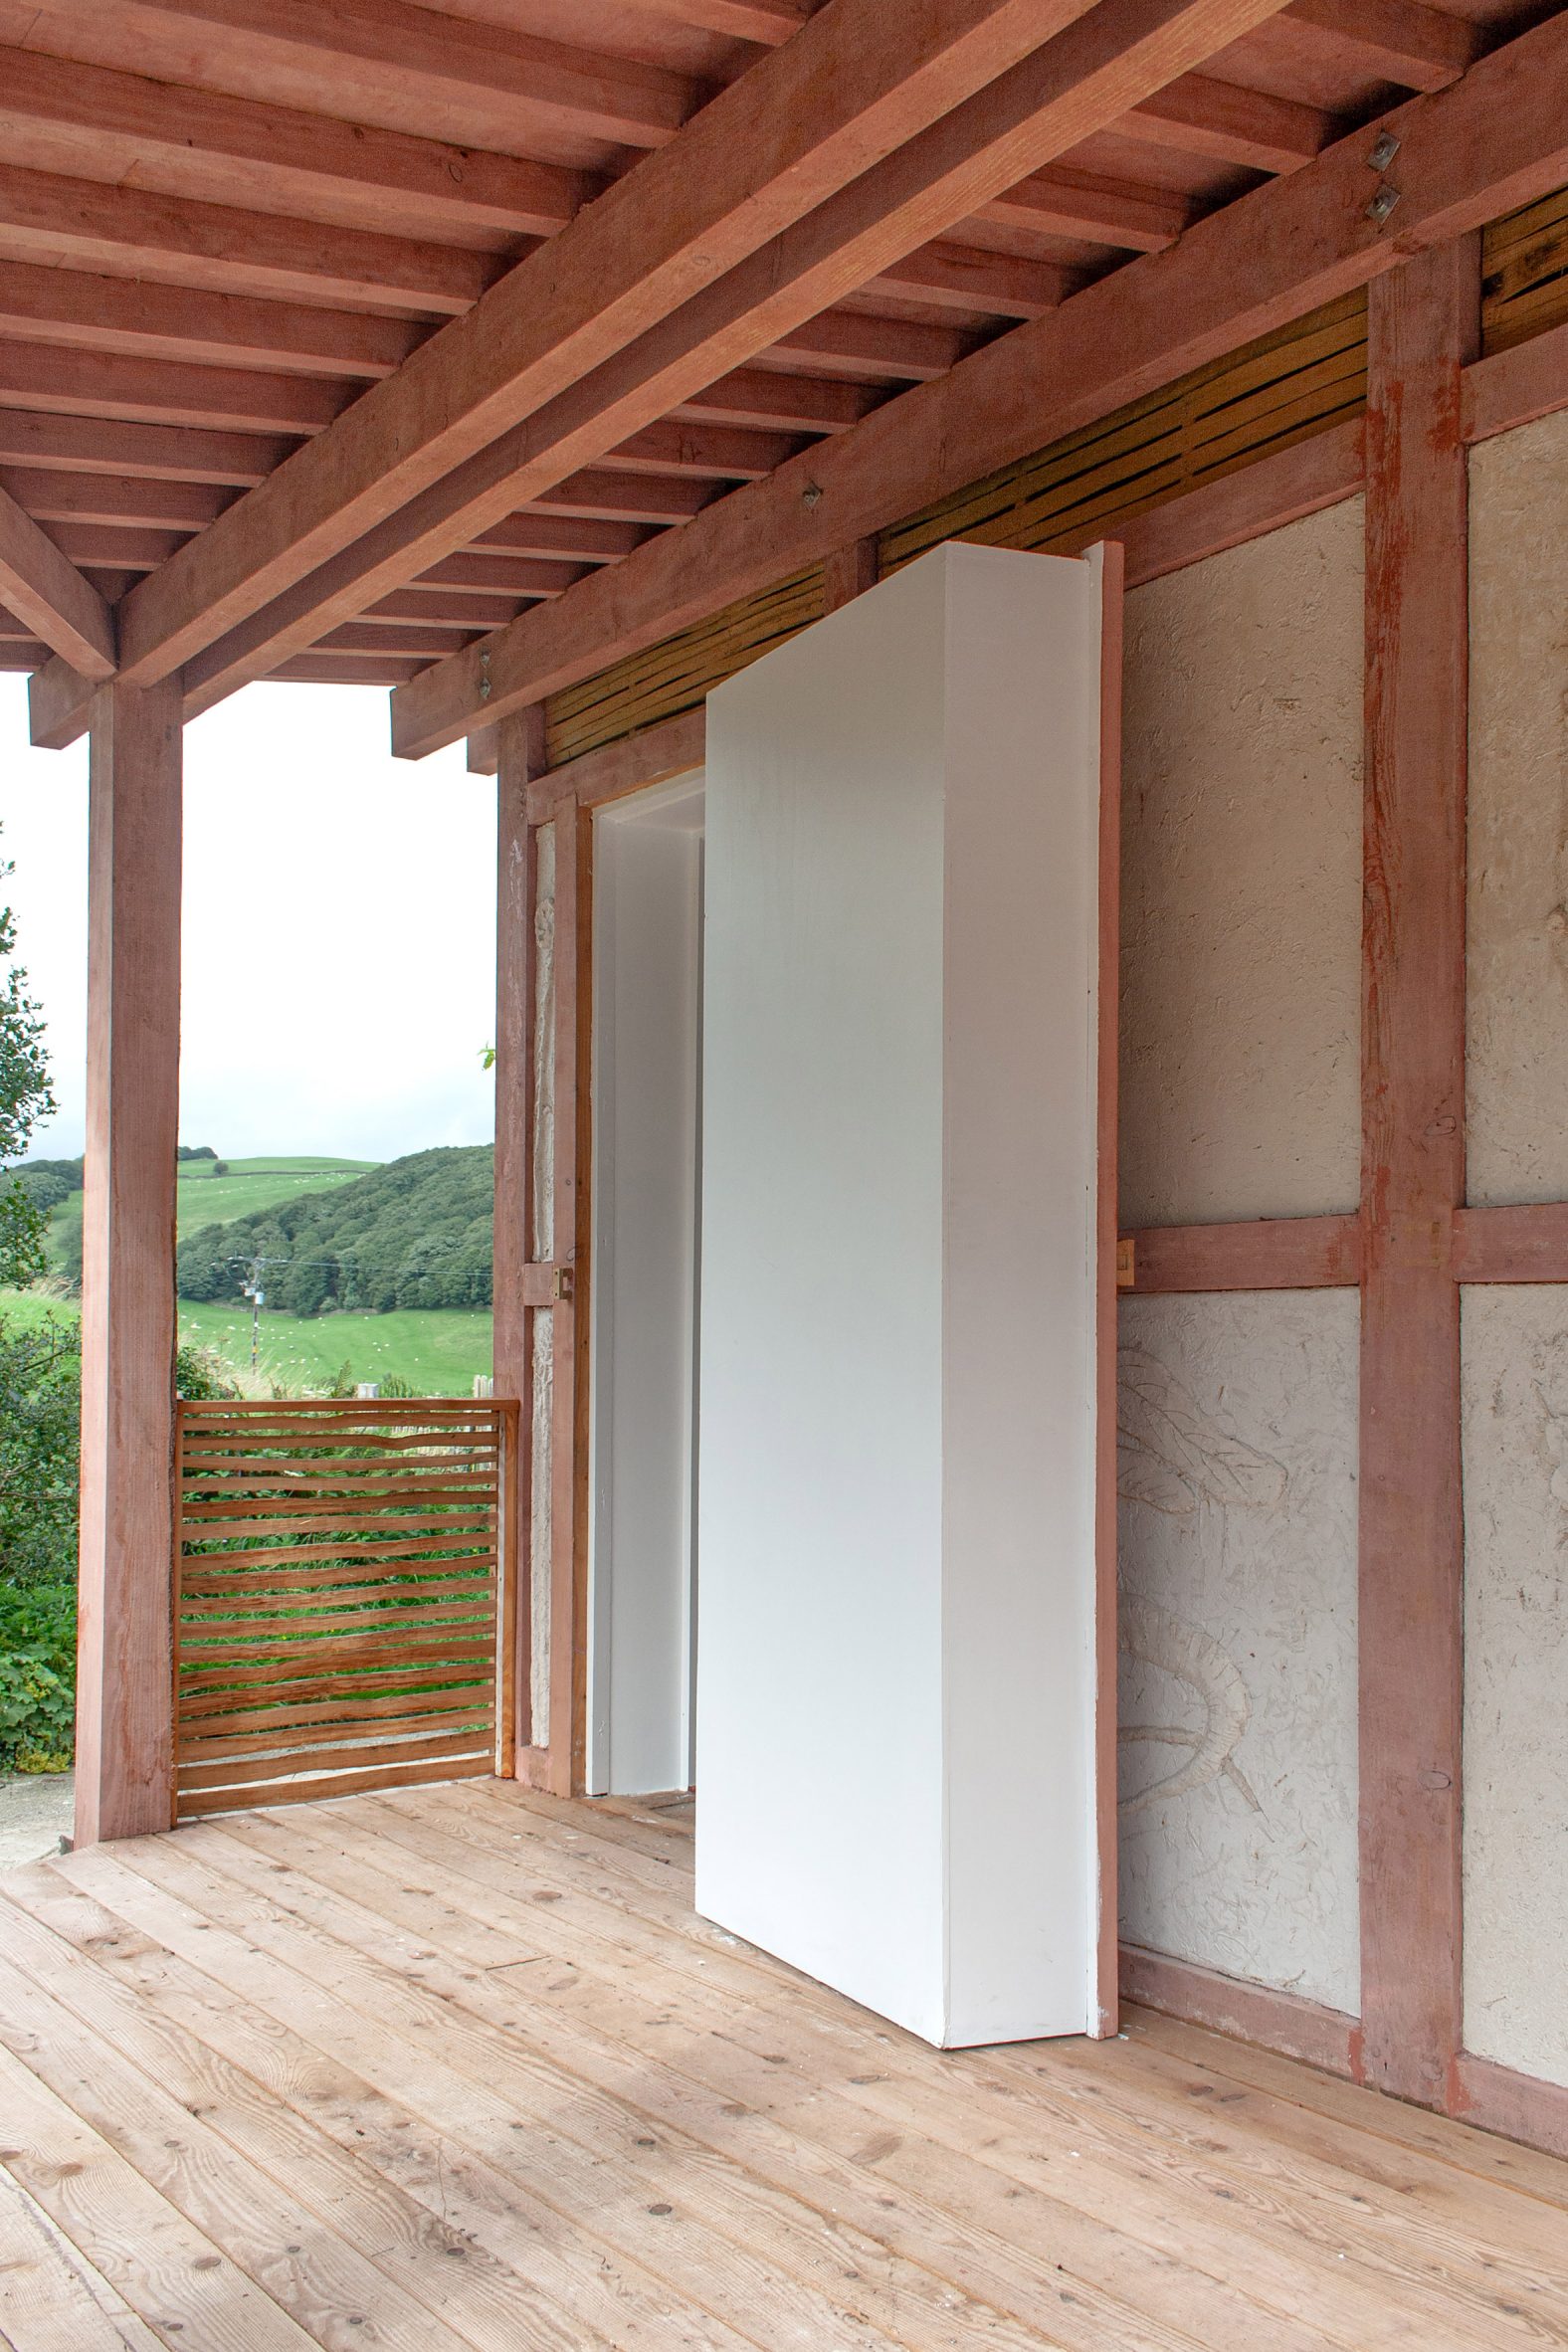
[(40, 1408), (40, 1412), (38, 1669)]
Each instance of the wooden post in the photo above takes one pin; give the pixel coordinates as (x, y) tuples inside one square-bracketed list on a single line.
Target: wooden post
[(521, 749), (1423, 326), (850, 572), (124, 1708), (568, 1498)]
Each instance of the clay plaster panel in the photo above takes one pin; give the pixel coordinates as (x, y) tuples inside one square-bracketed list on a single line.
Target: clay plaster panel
[(1238, 1699), (1518, 821), (1242, 882), (1515, 1398)]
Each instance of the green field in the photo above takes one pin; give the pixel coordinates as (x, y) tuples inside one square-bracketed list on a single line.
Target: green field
[(254, 1184), (437, 1351), (203, 1199)]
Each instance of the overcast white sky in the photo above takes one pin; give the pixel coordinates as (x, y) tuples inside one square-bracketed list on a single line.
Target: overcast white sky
[(338, 935)]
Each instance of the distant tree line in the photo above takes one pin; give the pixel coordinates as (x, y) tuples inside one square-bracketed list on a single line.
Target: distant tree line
[(414, 1233), (46, 1183)]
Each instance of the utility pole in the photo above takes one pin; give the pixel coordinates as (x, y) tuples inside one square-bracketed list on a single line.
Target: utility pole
[(252, 1287)]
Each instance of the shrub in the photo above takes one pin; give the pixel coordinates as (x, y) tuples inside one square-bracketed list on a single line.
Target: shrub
[(40, 1407), (38, 1665)]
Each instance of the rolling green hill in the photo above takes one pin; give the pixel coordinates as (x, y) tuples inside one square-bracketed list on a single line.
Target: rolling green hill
[(253, 1185), (415, 1234), (202, 1198)]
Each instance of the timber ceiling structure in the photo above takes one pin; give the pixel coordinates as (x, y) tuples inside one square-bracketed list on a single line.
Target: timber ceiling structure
[(336, 334)]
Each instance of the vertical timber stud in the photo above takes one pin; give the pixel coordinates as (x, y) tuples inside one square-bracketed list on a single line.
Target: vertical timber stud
[(567, 1546), (125, 1665), (521, 757), (1424, 328), (1112, 587), (850, 572)]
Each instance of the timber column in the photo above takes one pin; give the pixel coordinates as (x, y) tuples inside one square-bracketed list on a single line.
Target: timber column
[(124, 1705), (521, 758), (1424, 328)]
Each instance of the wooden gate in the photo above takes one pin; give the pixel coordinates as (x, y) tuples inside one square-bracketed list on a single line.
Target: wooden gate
[(344, 1594)]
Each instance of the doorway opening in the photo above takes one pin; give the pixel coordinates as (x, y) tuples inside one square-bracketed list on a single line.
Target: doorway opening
[(643, 1437)]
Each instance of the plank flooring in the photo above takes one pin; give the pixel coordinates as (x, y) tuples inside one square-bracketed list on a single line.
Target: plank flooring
[(457, 2069)]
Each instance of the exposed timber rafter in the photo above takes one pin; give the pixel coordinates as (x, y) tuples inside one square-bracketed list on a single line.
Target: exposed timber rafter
[(42, 589), (1497, 139), (393, 62), (808, 120), (231, 150), (1056, 93)]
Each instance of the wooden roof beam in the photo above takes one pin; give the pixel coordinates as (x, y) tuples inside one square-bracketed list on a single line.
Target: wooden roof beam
[(876, 351), (964, 278), (1419, 47), (413, 607), (397, 64), (1056, 96), (779, 403), (569, 536), (76, 309), (769, 21), (712, 452), (164, 453), (46, 593), (163, 392), (1067, 203), (133, 232), (116, 547), (52, 497), (1495, 140), (243, 150), (473, 574), (1199, 115), (858, 82)]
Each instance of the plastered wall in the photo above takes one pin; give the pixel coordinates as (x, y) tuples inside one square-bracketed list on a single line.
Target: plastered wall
[(1519, 824), (1238, 1561), (1515, 1399), (1240, 881), (1241, 1099)]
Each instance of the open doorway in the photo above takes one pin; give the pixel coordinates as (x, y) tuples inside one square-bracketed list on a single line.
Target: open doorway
[(646, 1116)]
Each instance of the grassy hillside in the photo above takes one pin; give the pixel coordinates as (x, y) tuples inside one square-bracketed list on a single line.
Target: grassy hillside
[(204, 1199), (438, 1353), (253, 1185), (413, 1234)]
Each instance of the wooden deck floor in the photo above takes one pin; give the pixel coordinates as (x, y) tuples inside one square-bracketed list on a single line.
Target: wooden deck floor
[(458, 2068)]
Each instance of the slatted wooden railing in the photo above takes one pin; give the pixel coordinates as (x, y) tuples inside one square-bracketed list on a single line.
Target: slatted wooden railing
[(344, 1591)]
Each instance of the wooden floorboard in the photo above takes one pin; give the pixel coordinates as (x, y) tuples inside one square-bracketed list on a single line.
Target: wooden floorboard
[(458, 2066)]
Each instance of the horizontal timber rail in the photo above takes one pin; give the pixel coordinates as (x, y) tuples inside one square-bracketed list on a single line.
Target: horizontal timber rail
[(345, 1598)]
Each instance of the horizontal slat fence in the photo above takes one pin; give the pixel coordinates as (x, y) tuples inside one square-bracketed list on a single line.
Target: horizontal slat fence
[(343, 1583)]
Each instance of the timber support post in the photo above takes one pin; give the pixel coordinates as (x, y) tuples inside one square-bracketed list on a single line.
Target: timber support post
[(126, 1747), (1424, 328), (521, 758)]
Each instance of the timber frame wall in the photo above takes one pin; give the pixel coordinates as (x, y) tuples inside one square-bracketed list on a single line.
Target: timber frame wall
[(1382, 394)]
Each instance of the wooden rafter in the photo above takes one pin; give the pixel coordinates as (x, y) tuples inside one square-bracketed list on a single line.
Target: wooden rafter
[(855, 86), (1040, 106), (42, 589), (1496, 139), (209, 144)]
